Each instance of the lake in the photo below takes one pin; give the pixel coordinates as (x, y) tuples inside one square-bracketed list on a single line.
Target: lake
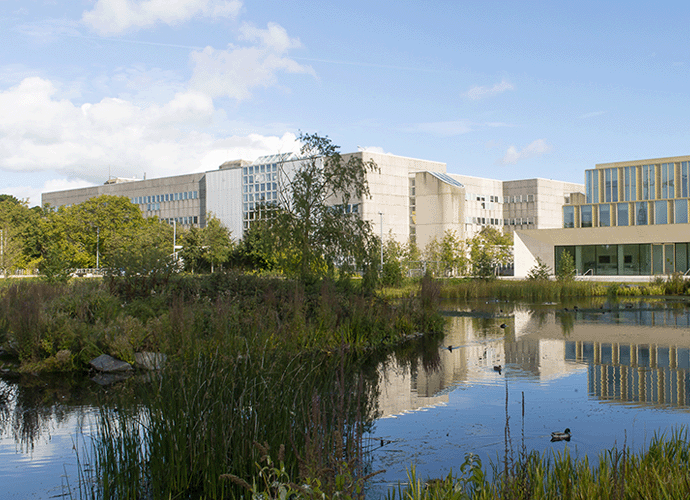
[(613, 372)]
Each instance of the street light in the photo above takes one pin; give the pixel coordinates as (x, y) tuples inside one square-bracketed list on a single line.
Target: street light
[(98, 247)]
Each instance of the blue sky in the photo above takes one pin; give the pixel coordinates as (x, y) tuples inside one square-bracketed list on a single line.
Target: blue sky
[(505, 90)]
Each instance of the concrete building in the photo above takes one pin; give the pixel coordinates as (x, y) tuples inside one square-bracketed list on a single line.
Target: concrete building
[(631, 221), (409, 198)]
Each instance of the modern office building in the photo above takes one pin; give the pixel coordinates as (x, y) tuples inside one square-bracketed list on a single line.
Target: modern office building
[(409, 198), (631, 220)]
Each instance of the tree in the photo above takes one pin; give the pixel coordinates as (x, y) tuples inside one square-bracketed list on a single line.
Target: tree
[(312, 230), (489, 249), (565, 271), (540, 272), (217, 242)]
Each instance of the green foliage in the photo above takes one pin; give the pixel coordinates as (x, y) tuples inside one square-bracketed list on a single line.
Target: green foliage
[(540, 271), (489, 249), (447, 257), (565, 270), (311, 232)]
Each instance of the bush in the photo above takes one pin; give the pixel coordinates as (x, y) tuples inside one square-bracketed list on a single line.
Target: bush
[(540, 272)]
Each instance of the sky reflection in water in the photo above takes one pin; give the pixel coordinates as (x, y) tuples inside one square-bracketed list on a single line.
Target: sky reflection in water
[(613, 373)]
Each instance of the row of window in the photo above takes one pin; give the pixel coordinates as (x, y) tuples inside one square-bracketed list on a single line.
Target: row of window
[(639, 213), (639, 182), (520, 198), (628, 259), (185, 221), (163, 198), (520, 221), (260, 169)]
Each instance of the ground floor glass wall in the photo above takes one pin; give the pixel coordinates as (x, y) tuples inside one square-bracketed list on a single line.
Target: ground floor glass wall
[(628, 259)]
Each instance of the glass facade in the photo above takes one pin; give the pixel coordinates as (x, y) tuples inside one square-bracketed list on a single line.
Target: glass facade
[(648, 182), (668, 173), (641, 213), (604, 215), (622, 215), (630, 183), (611, 185), (628, 259), (586, 216), (638, 195), (661, 212), (681, 211), (568, 216)]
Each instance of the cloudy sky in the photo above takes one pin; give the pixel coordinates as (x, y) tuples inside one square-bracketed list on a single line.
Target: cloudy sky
[(507, 90)]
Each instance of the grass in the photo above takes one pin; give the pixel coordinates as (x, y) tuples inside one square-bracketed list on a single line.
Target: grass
[(216, 417), (61, 327), (659, 471)]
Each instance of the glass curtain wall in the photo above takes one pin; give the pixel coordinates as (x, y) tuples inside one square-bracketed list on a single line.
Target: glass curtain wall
[(630, 183), (648, 182), (627, 260), (622, 216)]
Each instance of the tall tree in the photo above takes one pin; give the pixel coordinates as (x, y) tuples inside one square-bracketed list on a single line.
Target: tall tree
[(312, 229)]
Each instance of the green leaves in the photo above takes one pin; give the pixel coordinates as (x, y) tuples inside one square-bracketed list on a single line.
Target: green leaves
[(316, 229)]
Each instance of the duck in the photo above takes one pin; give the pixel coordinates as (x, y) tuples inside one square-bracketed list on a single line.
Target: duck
[(561, 436), (498, 368), (504, 326)]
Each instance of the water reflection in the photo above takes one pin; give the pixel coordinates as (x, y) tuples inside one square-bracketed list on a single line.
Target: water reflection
[(614, 372)]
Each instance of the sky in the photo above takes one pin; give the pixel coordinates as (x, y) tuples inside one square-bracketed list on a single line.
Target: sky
[(91, 89)]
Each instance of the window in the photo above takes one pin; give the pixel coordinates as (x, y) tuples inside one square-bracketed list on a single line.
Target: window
[(569, 216), (684, 179), (681, 212), (604, 215), (641, 213), (661, 212), (592, 186), (622, 216), (668, 173), (648, 185), (586, 216), (611, 184)]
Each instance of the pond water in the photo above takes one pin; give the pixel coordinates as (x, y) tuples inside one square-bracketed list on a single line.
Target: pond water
[(614, 373)]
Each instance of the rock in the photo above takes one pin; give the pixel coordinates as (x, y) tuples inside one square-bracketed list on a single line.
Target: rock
[(108, 364), (149, 360)]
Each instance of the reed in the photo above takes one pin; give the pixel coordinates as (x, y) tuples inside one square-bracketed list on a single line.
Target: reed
[(659, 471), (198, 425)]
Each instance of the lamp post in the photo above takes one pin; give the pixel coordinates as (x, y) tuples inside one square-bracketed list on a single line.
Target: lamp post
[(381, 215), (98, 248)]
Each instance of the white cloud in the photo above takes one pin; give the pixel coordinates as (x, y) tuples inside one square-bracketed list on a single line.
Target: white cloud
[(536, 148), (39, 132), (477, 92), (238, 70), (110, 17), (373, 149)]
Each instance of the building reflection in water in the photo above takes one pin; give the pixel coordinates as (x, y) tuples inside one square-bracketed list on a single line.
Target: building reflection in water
[(638, 354)]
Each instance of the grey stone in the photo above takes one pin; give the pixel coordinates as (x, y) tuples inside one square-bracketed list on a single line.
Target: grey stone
[(108, 364), (149, 360)]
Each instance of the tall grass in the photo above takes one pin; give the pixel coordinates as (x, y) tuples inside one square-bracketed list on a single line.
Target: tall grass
[(61, 327), (659, 471), (199, 424)]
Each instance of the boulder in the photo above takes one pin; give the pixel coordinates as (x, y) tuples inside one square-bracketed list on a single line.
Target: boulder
[(149, 360), (108, 364)]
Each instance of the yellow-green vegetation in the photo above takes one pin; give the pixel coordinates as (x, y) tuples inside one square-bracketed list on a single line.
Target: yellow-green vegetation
[(61, 326), (660, 471)]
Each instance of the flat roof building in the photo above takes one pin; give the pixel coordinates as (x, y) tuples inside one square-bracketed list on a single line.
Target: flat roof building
[(631, 221), (413, 198)]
